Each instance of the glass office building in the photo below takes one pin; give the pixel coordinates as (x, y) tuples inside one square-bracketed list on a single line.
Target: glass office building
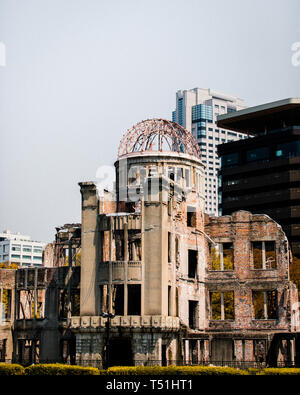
[(197, 110)]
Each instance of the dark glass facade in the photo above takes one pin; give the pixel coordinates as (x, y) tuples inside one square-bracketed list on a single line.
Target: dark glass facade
[(262, 175)]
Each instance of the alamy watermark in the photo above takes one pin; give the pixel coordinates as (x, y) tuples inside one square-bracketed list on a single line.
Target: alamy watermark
[(296, 54), (2, 54)]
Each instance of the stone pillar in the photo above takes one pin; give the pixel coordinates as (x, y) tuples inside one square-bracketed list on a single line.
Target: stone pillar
[(206, 350), (249, 351), (238, 350), (155, 254), (50, 336), (89, 294)]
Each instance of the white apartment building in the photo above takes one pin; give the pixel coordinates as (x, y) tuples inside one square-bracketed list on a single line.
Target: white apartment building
[(20, 249), (197, 110)]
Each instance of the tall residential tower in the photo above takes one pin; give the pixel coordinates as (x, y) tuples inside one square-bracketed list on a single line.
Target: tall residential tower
[(197, 110)]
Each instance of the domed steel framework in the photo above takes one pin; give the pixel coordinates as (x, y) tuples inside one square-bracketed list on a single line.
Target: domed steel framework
[(158, 135)]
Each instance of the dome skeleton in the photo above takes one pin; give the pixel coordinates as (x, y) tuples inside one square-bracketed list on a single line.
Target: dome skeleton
[(158, 135)]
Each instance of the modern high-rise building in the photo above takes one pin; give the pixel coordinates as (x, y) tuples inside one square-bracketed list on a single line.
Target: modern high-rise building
[(20, 249), (197, 111)]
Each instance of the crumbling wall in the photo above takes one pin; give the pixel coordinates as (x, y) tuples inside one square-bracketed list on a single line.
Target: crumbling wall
[(242, 229), (7, 303), (263, 297), (41, 320)]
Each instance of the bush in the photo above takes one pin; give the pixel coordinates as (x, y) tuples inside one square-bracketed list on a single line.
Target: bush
[(58, 369), (140, 370), (279, 372), (211, 371), (254, 371), (172, 370), (8, 369)]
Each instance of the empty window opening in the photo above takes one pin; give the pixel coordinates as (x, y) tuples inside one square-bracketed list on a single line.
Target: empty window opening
[(221, 257), (120, 352), (31, 304), (192, 263), (163, 355), (133, 176), (187, 177), (41, 277), (222, 350), (171, 173), (134, 245), (202, 352), (193, 351), (169, 300), (63, 304), (222, 305), (265, 305), (30, 278), (28, 351), (119, 243), (153, 171), (118, 299), (177, 302), (103, 299), (5, 299), (193, 307), (3, 344), (170, 206), (260, 350), (179, 174), (134, 299), (68, 350), (105, 242), (75, 302), (169, 247), (191, 217), (264, 255)]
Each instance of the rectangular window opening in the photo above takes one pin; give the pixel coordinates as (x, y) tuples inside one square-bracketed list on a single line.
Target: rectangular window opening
[(222, 306), (264, 255), (191, 217), (118, 299), (192, 263), (265, 305), (134, 299), (193, 307), (221, 257)]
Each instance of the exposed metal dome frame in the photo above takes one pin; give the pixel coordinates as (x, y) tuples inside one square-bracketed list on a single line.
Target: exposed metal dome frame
[(158, 135)]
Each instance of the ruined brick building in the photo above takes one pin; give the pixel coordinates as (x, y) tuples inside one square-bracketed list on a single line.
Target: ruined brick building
[(181, 287)]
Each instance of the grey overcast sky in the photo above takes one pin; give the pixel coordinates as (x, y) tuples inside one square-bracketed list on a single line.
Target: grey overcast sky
[(79, 73)]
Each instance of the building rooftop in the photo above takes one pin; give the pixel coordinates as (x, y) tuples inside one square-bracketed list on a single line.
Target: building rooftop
[(8, 235), (263, 118)]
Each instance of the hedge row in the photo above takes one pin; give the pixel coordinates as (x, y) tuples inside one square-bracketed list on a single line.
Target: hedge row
[(173, 370), (279, 372), (47, 370), (72, 370), (10, 369), (197, 370)]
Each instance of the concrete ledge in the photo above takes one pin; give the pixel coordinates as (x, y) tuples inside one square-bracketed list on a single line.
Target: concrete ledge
[(157, 321)]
